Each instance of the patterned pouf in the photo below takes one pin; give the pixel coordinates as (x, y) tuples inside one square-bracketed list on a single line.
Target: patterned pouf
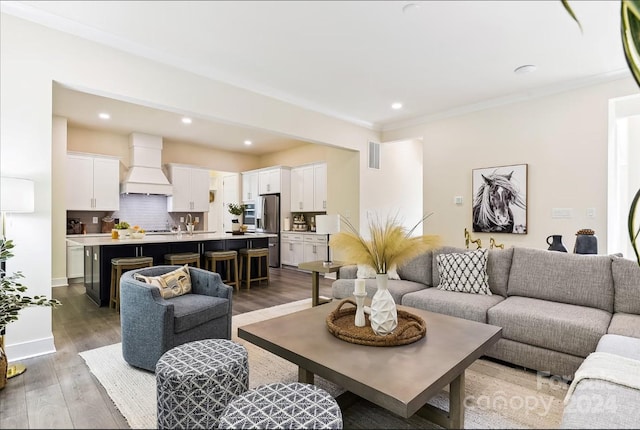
[(282, 406), (195, 382)]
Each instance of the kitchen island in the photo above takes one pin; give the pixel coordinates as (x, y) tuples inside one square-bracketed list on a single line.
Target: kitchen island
[(99, 250)]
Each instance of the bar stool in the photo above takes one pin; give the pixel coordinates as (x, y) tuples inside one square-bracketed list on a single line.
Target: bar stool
[(191, 258), (228, 257), (246, 254), (118, 267)]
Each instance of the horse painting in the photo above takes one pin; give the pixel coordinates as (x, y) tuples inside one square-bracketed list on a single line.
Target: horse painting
[(493, 202)]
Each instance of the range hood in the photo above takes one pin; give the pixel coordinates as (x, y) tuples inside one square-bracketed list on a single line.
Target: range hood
[(145, 176)]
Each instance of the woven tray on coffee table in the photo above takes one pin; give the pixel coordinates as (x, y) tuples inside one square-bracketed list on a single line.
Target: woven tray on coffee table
[(341, 323)]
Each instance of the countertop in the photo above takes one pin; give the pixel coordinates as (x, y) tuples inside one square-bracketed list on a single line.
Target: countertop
[(302, 232), (105, 239)]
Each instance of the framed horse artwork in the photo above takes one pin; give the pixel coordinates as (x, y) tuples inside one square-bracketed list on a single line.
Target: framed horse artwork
[(500, 199)]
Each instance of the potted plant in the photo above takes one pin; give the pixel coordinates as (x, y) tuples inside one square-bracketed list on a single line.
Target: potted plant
[(237, 210), (11, 302), (390, 245), (122, 228)]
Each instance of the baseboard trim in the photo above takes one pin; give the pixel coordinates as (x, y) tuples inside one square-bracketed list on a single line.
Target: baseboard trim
[(59, 282), (34, 348)]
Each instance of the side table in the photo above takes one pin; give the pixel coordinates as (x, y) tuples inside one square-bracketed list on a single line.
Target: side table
[(317, 267)]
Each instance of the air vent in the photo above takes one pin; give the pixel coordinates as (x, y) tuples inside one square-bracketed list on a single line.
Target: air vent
[(374, 155)]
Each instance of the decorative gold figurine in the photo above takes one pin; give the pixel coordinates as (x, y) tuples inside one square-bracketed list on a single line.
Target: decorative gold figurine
[(492, 244), (467, 240)]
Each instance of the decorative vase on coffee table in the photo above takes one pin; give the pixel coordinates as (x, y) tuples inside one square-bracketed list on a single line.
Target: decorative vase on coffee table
[(384, 315)]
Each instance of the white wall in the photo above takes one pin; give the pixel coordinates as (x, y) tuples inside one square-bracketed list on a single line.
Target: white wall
[(562, 138), (32, 57)]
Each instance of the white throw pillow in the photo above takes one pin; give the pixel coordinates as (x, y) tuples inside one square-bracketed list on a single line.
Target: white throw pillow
[(367, 272), (464, 272)]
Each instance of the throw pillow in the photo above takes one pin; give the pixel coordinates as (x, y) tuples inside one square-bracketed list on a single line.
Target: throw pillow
[(464, 272), (170, 284), (367, 272)]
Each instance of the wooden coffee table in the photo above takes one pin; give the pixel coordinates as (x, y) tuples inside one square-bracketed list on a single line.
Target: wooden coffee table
[(400, 379)]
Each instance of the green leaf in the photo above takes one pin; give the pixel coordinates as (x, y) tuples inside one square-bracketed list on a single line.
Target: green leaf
[(565, 3), (630, 29)]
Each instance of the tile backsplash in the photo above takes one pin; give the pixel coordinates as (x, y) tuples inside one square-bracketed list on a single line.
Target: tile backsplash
[(147, 211)]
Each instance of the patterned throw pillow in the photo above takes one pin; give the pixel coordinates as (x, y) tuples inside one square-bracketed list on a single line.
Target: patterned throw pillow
[(171, 284), (464, 272), (367, 272)]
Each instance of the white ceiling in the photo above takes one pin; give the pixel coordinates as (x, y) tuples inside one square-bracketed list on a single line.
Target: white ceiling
[(352, 59)]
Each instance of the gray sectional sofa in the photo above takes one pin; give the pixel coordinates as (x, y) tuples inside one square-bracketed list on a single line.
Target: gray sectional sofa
[(553, 307)]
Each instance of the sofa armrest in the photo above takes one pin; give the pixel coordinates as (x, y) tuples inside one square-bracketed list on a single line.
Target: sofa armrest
[(348, 272)]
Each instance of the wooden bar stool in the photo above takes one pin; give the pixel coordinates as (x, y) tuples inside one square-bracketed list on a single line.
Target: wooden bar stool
[(118, 267), (191, 258), (228, 257), (246, 254)]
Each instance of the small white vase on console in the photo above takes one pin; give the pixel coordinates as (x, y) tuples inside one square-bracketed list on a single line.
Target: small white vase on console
[(384, 315)]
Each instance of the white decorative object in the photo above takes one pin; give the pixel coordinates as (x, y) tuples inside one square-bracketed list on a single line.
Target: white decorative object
[(360, 319), (359, 286), (328, 224), (384, 315)]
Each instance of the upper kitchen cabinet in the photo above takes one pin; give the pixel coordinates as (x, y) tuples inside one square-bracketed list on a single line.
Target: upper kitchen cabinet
[(190, 189), (249, 186), (95, 185), (309, 188), (271, 180), (320, 187)]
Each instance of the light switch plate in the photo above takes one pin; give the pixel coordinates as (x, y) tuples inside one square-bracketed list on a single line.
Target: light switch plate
[(561, 213), (457, 200), (181, 219), (197, 219), (591, 212), (95, 220)]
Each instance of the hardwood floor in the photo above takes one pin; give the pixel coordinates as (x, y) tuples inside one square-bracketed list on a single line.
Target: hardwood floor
[(58, 391)]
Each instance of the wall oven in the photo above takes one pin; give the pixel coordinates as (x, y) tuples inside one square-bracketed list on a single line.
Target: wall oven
[(249, 217)]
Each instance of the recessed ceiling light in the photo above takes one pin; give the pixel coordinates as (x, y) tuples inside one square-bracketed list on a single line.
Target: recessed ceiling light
[(247, 142), (104, 115), (410, 7), (186, 120), (396, 105), (527, 68)]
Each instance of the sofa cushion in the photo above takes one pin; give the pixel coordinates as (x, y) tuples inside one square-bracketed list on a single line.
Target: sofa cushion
[(464, 272), (418, 269), (621, 345), (498, 267), (191, 310), (626, 282), (558, 326), (462, 305), (171, 284), (348, 272), (625, 325), (584, 280), (343, 288)]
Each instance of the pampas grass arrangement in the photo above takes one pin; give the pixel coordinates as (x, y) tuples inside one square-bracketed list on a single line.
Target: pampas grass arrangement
[(390, 243)]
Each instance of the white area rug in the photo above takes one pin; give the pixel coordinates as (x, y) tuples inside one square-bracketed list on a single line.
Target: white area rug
[(498, 396)]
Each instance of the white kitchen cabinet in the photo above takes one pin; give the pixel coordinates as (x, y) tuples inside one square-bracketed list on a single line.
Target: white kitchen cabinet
[(315, 248), (75, 261), (292, 249), (249, 186), (309, 188), (320, 187), (95, 185), (302, 189), (190, 189), (269, 181)]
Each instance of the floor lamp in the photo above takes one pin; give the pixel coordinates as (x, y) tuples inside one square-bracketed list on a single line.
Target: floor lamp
[(16, 196), (327, 224)]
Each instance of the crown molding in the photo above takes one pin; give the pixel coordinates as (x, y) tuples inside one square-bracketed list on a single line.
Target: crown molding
[(511, 99)]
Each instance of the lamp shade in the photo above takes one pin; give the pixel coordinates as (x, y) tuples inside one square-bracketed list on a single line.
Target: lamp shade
[(16, 195), (327, 224)]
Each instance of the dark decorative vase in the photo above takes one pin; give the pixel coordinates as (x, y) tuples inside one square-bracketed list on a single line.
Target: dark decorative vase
[(555, 243), (586, 244)]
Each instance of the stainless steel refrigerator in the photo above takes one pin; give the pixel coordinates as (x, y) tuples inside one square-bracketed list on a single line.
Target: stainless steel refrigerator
[(269, 222)]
